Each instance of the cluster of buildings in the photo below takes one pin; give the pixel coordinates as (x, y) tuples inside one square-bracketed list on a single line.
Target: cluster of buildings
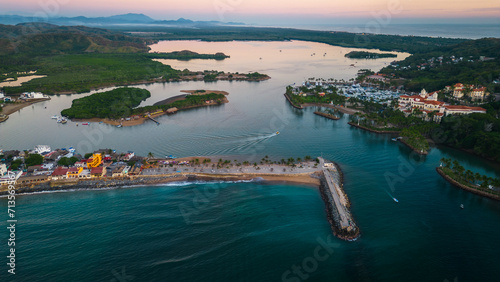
[(437, 61), (102, 163), (360, 91), (460, 91), (24, 96), (430, 108)]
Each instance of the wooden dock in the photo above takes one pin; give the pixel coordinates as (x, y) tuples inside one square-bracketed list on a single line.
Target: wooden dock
[(151, 118)]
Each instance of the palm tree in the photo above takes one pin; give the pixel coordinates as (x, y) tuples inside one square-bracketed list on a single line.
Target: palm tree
[(469, 176), (478, 176), (150, 155)]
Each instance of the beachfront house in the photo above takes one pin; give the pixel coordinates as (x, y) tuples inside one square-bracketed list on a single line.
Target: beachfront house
[(98, 172), (59, 173), (74, 172)]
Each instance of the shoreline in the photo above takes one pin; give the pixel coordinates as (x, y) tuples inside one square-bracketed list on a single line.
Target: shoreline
[(344, 110), (466, 187), (423, 153), (142, 119), (9, 109), (372, 130), (305, 179)]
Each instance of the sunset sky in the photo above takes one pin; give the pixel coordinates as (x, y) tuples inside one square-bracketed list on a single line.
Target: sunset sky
[(270, 11)]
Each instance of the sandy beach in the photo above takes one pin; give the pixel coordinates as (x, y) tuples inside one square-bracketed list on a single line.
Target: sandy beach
[(14, 107)]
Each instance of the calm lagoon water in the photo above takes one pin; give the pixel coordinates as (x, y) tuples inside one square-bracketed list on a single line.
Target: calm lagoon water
[(251, 231)]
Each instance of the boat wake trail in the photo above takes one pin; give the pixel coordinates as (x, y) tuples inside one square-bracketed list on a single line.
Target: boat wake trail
[(240, 143)]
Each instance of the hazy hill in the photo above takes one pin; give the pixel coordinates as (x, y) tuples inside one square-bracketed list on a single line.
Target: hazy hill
[(124, 19), (44, 39)]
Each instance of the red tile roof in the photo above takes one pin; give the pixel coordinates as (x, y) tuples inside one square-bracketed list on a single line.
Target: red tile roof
[(96, 170), (73, 169), (455, 107), (434, 102), (59, 171)]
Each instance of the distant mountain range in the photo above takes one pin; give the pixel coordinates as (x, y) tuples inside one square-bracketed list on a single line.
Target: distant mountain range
[(125, 19)]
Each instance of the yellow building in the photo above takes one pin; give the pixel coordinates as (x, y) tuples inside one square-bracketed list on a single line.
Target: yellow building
[(94, 161), (74, 172)]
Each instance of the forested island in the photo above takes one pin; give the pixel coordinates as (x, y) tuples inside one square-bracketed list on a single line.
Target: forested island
[(117, 103), (368, 55), (187, 55), (119, 106)]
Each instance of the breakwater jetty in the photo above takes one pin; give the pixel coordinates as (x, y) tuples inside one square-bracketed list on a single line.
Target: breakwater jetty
[(337, 203), (300, 107), (327, 115)]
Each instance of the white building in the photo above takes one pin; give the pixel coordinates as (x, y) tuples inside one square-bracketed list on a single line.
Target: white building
[(3, 169)]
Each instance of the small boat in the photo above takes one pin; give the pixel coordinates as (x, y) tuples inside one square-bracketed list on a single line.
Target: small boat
[(64, 121), (85, 123), (119, 125), (395, 200), (461, 206), (394, 139), (55, 117), (277, 132)]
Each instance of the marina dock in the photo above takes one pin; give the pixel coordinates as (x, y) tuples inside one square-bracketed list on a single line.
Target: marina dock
[(337, 203), (151, 118)]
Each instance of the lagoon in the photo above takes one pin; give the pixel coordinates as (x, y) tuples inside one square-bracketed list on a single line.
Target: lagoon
[(253, 231)]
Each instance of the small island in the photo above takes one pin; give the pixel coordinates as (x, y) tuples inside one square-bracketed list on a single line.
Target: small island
[(368, 55), (187, 55), (119, 106)]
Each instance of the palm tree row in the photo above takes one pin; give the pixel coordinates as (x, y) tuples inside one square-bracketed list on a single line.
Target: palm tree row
[(468, 175)]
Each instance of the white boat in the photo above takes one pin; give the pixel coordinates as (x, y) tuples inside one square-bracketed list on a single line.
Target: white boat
[(394, 139), (461, 206), (55, 117), (395, 200)]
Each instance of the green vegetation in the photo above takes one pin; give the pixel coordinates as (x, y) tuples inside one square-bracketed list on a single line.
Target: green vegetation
[(476, 133), (415, 139), (190, 101), (313, 96), (83, 72), (256, 76), (459, 63), (33, 159), (457, 172), (187, 55), (14, 165), (368, 55), (114, 104), (64, 161)]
